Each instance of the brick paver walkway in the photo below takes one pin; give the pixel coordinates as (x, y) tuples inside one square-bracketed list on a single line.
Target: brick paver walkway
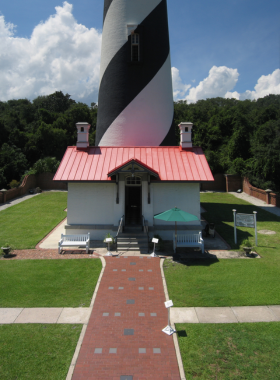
[(123, 340)]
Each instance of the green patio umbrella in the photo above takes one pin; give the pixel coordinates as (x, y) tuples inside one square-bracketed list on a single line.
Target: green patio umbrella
[(176, 215)]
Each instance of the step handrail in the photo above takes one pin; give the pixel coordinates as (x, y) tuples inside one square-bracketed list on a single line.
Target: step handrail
[(145, 229), (120, 225)]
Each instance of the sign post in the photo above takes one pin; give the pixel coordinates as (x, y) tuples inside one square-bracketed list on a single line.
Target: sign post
[(256, 232), (109, 241), (234, 219), (168, 329), (245, 220), (153, 254)]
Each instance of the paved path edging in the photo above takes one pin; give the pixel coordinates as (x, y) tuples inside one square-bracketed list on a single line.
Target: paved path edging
[(175, 338), (227, 314), (83, 332)]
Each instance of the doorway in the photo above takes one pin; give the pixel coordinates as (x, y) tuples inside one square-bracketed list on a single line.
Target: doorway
[(133, 203)]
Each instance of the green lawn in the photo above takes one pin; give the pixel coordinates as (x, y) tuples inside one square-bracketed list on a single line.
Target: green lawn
[(24, 225), (48, 283), (229, 282), (36, 351), (230, 351), (219, 208)]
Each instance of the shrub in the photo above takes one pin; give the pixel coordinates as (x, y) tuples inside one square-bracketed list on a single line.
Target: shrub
[(14, 183)]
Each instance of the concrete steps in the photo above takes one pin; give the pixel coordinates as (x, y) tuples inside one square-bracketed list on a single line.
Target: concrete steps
[(133, 239)]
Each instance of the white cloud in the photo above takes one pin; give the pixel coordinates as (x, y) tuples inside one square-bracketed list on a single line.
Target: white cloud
[(60, 55), (233, 94), (267, 84), (220, 81), (179, 89)]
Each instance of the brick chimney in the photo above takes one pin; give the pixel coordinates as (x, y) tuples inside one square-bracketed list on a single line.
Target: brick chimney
[(82, 135), (186, 134)]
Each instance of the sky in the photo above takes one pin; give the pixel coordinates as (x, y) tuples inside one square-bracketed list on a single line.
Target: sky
[(226, 48)]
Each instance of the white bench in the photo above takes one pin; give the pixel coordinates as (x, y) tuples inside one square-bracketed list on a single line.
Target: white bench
[(189, 240), (74, 241)]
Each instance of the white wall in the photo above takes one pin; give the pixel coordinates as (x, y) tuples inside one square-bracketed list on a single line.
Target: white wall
[(185, 196), (95, 204), (91, 203)]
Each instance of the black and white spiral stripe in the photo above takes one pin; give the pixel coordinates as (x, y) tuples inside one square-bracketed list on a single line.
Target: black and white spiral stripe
[(135, 105)]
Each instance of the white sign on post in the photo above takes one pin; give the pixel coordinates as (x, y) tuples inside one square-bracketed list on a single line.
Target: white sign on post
[(109, 240), (168, 329), (168, 304), (155, 240), (245, 220)]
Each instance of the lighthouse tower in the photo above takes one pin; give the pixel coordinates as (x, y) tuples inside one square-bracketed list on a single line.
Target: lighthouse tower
[(135, 105)]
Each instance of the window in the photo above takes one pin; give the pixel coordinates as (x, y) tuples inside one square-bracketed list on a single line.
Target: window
[(135, 53), (133, 181), (82, 129)]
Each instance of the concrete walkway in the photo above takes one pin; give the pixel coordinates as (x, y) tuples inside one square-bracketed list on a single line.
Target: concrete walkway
[(237, 314), (15, 201), (45, 315), (255, 201)]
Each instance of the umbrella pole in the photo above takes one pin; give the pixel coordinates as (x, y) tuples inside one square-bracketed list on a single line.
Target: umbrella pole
[(175, 237)]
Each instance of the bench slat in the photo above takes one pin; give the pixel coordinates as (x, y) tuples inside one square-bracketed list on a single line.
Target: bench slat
[(81, 240), (189, 240)]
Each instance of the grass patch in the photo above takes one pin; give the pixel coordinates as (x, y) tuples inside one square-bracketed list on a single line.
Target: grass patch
[(48, 283), (230, 351), (38, 351), (219, 208), (24, 225), (230, 282)]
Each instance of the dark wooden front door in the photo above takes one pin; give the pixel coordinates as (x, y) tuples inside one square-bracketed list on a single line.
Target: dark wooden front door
[(133, 206)]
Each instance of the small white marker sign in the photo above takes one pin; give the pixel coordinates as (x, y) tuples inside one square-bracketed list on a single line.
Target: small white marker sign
[(168, 304), (108, 240), (155, 240)]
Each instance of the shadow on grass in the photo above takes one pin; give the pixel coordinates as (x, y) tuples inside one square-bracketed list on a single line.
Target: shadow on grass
[(221, 214), (9, 256), (201, 262), (224, 211), (182, 333)]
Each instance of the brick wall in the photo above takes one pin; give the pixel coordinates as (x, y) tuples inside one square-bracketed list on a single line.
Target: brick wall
[(233, 182), (44, 181), (268, 197), (219, 183)]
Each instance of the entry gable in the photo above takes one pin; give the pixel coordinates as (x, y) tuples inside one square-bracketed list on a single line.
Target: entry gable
[(133, 166)]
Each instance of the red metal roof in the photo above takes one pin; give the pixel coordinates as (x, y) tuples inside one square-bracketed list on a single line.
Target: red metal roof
[(170, 162)]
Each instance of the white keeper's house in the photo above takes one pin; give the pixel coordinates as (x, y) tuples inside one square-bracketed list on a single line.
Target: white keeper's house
[(108, 183), (135, 170)]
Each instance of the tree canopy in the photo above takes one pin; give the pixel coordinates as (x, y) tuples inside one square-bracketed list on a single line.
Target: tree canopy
[(32, 131), (238, 137)]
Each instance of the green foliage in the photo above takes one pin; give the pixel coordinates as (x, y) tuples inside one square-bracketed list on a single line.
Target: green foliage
[(12, 162), (246, 243), (46, 165), (3, 179), (14, 183), (32, 131), (109, 236), (238, 137)]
